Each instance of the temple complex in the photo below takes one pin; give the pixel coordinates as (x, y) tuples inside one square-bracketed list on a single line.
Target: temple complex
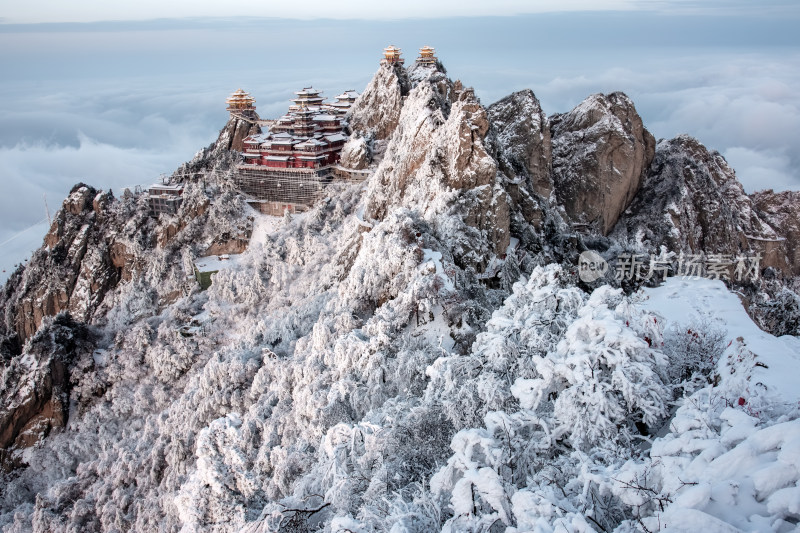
[(391, 56), (426, 56), (287, 166)]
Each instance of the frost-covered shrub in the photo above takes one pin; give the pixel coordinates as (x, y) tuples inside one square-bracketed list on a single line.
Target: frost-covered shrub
[(371, 283), (242, 288), (584, 376), (416, 446), (528, 325), (600, 381), (170, 361), (223, 485), (776, 308), (694, 351), (412, 510), (718, 469)]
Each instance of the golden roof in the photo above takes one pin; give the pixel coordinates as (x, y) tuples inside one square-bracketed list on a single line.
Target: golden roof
[(391, 51), (240, 98)]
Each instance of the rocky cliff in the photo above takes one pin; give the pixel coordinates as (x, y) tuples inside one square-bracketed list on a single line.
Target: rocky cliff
[(780, 211), (523, 130), (36, 390), (81, 260), (92, 264), (601, 153), (437, 163), (610, 178), (376, 112), (235, 131), (96, 241), (691, 201)]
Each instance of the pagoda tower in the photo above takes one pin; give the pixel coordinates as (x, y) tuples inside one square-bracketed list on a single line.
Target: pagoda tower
[(426, 56), (242, 104), (304, 121), (391, 56), (308, 97)]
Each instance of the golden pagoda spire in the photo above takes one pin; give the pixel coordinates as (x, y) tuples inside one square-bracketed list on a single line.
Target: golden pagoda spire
[(391, 56), (240, 101), (426, 56)]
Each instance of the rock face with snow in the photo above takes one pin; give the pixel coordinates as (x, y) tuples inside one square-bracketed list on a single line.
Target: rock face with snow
[(73, 271), (601, 153), (35, 393), (691, 201), (780, 211), (377, 110), (231, 136), (355, 153), (96, 241), (523, 132), (437, 163)]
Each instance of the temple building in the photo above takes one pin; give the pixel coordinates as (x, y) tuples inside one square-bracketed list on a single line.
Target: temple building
[(343, 102), (241, 103), (391, 56), (308, 97), (426, 56), (164, 199), (288, 166)]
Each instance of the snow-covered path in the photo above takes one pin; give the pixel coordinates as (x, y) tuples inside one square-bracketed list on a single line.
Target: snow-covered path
[(684, 301)]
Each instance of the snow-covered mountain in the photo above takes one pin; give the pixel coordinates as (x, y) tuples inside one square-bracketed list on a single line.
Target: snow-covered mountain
[(417, 352)]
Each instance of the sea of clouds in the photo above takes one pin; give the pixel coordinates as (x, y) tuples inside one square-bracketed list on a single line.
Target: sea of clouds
[(115, 105)]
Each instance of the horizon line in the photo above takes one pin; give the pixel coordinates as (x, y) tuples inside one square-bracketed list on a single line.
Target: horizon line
[(764, 12)]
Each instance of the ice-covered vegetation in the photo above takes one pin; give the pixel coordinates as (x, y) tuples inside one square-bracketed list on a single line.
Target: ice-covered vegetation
[(333, 388)]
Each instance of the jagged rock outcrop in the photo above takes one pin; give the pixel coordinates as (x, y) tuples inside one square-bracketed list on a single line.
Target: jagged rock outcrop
[(355, 153), (692, 201), (523, 132), (780, 210), (235, 131), (376, 112), (78, 264), (601, 153), (35, 392), (96, 241), (437, 163)]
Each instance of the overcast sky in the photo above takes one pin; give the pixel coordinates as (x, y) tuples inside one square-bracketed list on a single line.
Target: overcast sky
[(32, 11), (115, 104)]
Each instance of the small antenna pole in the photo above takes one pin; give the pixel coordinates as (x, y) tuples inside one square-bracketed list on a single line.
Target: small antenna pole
[(47, 210)]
